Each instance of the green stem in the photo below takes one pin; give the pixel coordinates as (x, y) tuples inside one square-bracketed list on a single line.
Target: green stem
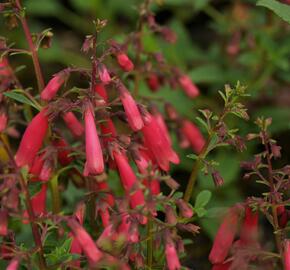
[(54, 189), (149, 243), (194, 172)]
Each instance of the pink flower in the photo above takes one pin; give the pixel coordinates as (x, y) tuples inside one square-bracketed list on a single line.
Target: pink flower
[(249, 229), (32, 139), (184, 209), (157, 143), (124, 62), (104, 74), (192, 133), (153, 82), (53, 86), (133, 115), (13, 265), (128, 230), (73, 124), (101, 91), (171, 257), (3, 121), (287, 254), (188, 86), (3, 222), (224, 237), (94, 163), (85, 241), (4, 68), (159, 118), (128, 179), (108, 130), (38, 202)]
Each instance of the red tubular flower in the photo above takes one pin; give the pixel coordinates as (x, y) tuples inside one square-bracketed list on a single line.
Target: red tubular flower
[(287, 254), (108, 130), (73, 124), (128, 179), (222, 266), (38, 202), (53, 86), (104, 74), (133, 115), (153, 82), (87, 244), (171, 257), (188, 86), (94, 163), (159, 118), (249, 229), (3, 222), (128, 230), (36, 167), (101, 91), (3, 121), (193, 134), (157, 143), (32, 139), (124, 62), (4, 68), (13, 265), (62, 151), (224, 237)]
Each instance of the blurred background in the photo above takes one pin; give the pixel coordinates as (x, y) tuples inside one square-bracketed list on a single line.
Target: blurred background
[(219, 42)]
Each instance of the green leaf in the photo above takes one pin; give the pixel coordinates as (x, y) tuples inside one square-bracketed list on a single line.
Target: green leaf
[(282, 10), (200, 212), (202, 199), (14, 94)]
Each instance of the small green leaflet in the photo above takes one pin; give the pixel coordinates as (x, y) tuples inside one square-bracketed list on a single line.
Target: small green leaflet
[(15, 94), (282, 10), (201, 201)]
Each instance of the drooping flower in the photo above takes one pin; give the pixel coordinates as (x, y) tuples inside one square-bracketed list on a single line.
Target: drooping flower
[(104, 74), (32, 139), (128, 179), (3, 121), (131, 109), (188, 86), (287, 254), (13, 265), (157, 143), (85, 241), (63, 154), (249, 229), (53, 86), (184, 209), (224, 237), (171, 256), (101, 91), (3, 222), (73, 124), (153, 82), (193, 134), (125, 62), (38, 202), (95, 162)]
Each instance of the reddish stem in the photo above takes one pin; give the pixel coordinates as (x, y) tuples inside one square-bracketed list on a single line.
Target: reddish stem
[(36, 64)]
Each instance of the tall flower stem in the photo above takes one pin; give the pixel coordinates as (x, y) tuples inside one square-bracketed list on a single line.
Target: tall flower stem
[(30, 211), (32, 48)]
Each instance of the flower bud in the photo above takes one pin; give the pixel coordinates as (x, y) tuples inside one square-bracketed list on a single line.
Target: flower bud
[(184, 208), (124, 62), (171, 256), (73, 124), (53, 86), (104, 74), (286, 254), (188, 86), (153, 82), (13, 265)]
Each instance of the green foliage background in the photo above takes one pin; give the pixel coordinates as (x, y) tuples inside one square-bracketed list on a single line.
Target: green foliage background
[(204, 30)]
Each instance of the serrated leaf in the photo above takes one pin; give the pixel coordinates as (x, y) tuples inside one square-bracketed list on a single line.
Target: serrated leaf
[(282, 10), (202, 199), (20, 98)]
